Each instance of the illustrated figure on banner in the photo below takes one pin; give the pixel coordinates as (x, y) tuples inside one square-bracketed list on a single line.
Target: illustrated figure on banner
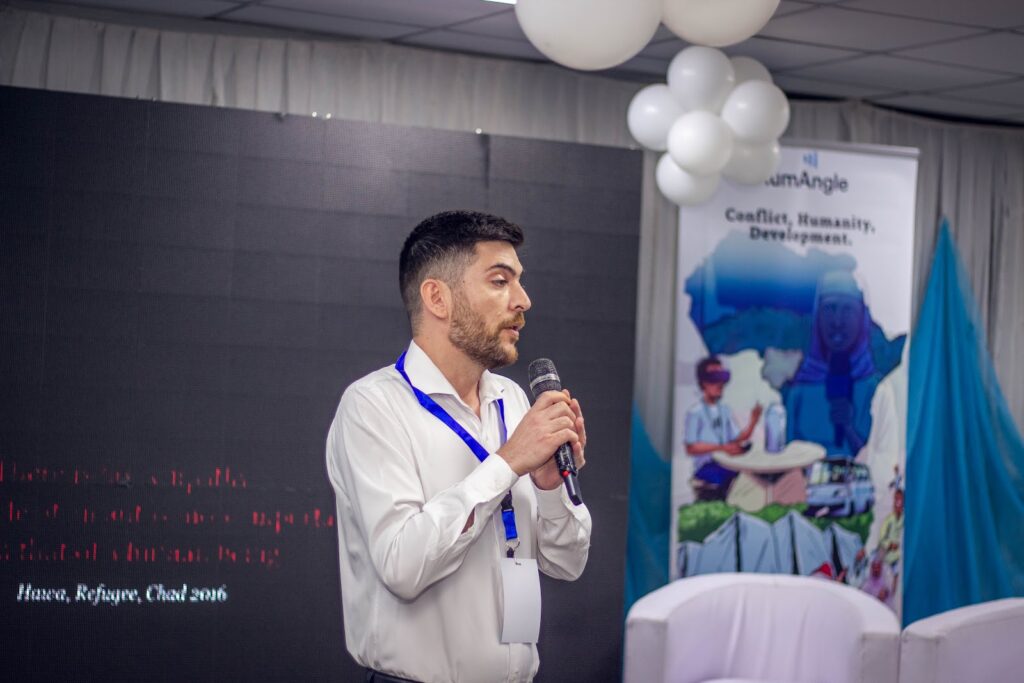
[(710, 427), (829, 401)]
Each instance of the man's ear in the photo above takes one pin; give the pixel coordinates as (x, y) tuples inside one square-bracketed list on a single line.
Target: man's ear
[(436, 296)]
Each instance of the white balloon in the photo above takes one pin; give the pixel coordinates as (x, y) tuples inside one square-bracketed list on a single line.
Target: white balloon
[(651, 113), (749, 69), (752, 164), (717, 22), (681, 187), (701, 78), (757, 112), (700, 142), (589, 34)]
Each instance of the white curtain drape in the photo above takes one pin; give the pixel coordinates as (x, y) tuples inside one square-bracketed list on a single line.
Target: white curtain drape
[(972, 174), (367, 81)]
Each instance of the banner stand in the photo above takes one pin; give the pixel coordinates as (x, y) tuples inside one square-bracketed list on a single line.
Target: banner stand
[(791, 370)]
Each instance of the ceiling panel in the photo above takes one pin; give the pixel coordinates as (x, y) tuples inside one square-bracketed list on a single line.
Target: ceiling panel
[(790, 6), (808, 86), (987, 13), (996, 51), (1008, 93), (655, 68), (181, 8), (948, 106), (320, 23), (501, 25), (776, 54), (663, 33), (665, 49), (895, 73), (838, 27), (432, 13)]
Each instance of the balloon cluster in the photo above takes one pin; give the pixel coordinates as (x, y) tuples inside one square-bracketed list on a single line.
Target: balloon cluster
[(717, 116), (600, 34)]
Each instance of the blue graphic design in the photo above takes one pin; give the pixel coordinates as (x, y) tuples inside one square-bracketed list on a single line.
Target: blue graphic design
[(805, 303), (807, 319)]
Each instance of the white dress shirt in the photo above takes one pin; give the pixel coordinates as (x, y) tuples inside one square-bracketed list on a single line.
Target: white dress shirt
[(422, 599)]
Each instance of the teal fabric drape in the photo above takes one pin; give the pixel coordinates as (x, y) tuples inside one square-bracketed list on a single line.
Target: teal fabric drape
[(650, 491), (964, 532)]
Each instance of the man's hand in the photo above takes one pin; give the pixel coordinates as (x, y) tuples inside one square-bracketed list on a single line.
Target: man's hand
[(547, 425), (734, 448), (547, 476)]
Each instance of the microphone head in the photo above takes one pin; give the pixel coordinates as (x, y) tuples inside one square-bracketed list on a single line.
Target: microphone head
[(543, 377)]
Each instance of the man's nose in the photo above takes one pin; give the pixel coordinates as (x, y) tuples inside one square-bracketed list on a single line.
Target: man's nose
[(520, 299)]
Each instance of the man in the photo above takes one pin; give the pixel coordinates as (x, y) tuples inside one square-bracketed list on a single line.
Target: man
[(709, 427), (891, 536), (877, 583), (435, 587)]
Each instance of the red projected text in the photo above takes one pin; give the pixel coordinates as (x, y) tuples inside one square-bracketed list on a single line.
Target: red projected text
[(177, 517)]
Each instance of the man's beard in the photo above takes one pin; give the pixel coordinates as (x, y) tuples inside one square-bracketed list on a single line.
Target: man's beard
[(469, 334)]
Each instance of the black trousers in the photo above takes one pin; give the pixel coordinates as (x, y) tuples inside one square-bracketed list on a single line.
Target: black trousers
[(373, 676)]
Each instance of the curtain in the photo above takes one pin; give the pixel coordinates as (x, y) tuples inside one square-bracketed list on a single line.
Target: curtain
[(367, 81), (966, 545)]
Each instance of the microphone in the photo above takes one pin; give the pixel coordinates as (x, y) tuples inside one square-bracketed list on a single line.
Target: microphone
[(544, 377), (838, 385)]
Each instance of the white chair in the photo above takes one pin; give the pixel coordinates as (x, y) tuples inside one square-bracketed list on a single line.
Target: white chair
[(982, 643), (760, 627)]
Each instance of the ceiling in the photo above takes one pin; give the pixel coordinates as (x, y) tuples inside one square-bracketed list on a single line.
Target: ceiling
[(955, 58)]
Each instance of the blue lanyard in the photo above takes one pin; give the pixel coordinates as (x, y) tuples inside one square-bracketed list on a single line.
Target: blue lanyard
[(508, 517)]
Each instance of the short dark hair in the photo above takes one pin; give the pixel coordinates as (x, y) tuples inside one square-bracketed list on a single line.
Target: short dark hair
[(702, 368), (442, 245)]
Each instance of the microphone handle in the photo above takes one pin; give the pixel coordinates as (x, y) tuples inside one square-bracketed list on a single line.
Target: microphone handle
[(567, 470)]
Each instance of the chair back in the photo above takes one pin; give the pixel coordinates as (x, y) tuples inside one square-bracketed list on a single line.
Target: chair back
[(761, 627)]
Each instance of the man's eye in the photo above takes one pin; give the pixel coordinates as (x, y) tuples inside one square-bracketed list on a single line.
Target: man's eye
[(500, 282)]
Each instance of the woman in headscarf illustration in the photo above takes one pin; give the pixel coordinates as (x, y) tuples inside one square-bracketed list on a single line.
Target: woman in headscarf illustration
[(829, 399)]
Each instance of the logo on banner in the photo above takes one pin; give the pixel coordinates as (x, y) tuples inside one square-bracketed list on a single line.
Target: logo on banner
[(826, 184)]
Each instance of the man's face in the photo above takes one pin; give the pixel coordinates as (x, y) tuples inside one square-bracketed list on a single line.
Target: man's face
[(713, 389), (839, 321), (897, 504), (488, 306)]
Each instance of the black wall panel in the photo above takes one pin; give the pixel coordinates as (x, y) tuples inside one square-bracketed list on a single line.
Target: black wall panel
[(184, 293)]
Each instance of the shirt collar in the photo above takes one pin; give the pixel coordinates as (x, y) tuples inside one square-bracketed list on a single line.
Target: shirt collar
[(430, 380)]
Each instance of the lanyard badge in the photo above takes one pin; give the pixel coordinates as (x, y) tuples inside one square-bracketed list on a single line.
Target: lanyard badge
[(508, 517)]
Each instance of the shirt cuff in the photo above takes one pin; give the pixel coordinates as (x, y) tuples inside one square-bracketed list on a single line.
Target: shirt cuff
[(491, 479), (552, 504)]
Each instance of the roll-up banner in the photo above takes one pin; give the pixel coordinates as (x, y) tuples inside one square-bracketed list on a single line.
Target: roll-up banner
[(791, 371)]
